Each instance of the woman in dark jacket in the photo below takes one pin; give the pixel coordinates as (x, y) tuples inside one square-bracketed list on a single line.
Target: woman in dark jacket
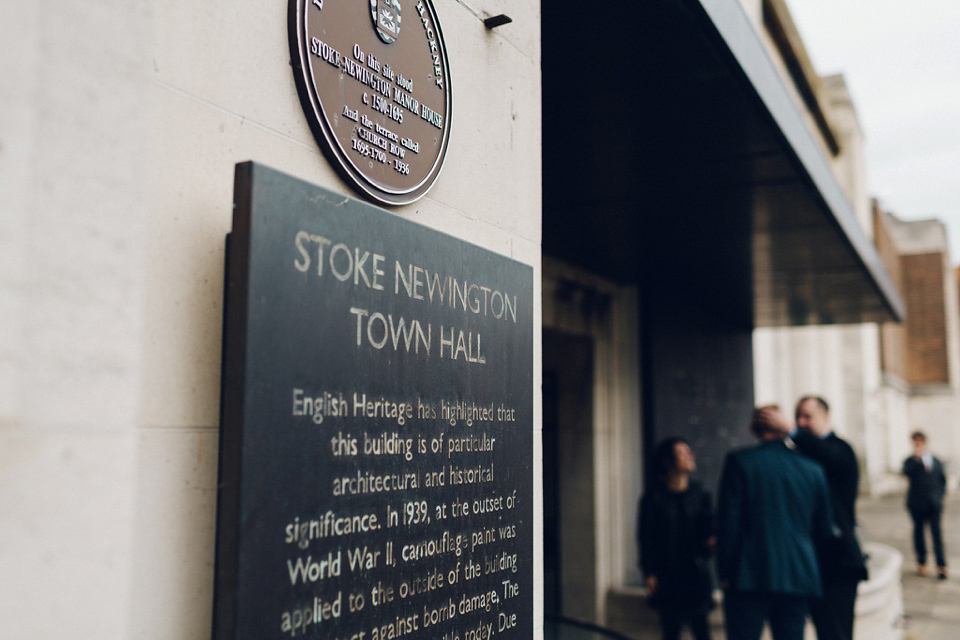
[(675, 536)]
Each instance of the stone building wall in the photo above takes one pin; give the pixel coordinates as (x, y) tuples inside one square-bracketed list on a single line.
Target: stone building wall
[(120, 125)]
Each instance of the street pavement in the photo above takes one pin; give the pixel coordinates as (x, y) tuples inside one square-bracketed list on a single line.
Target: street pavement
[(931, 607)]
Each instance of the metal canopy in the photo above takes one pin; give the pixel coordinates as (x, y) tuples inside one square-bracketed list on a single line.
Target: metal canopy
[(675, 157), (813, 263)]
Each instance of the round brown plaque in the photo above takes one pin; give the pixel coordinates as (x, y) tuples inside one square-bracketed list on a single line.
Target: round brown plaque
[(374, 81)]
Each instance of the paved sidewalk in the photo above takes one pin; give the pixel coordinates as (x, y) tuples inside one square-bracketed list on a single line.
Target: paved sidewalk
[(931, 607)]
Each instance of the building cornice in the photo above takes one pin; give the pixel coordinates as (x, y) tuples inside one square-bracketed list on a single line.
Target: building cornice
[(780, 25)]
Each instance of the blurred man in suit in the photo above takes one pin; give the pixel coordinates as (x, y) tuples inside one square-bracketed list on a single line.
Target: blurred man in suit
[(842, 565), (928, 484), (773, 508)]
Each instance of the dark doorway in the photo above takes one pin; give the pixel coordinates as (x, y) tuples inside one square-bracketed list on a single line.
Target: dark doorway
[(569, 544)]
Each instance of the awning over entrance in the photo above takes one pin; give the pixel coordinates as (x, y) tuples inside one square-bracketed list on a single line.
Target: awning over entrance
[(813, 263), (675, 156)]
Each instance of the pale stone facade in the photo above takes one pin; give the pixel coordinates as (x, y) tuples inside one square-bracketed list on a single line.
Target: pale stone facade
[(120, 124)]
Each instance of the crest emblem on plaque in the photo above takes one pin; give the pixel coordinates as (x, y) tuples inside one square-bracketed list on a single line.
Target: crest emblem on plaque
[(386, 19), (384, 133)]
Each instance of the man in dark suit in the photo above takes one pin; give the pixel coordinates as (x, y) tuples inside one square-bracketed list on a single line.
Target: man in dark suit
[(773, 507), (928, 483), (842, 565)]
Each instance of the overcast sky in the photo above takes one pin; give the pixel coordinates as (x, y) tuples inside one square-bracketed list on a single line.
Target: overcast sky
[(901, 60)]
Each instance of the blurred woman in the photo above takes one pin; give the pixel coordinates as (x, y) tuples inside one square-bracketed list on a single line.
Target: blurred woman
[(675, 536)]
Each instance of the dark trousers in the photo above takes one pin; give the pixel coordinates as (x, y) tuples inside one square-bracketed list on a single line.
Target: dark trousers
[(671, 623), (920, 518), (833, 613), (745, 613)]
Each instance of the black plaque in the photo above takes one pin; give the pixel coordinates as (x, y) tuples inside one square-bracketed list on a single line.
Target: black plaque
[(374, 82), (376, 436)]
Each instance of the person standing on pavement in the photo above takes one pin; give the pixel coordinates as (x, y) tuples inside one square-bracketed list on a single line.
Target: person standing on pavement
[(675, 537), (773, 508), (842, 564), (928, 484)]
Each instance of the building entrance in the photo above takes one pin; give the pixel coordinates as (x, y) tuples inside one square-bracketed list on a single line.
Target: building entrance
[(568, 476)]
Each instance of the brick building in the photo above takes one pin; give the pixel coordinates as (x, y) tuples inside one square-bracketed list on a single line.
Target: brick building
[(921, 356)]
